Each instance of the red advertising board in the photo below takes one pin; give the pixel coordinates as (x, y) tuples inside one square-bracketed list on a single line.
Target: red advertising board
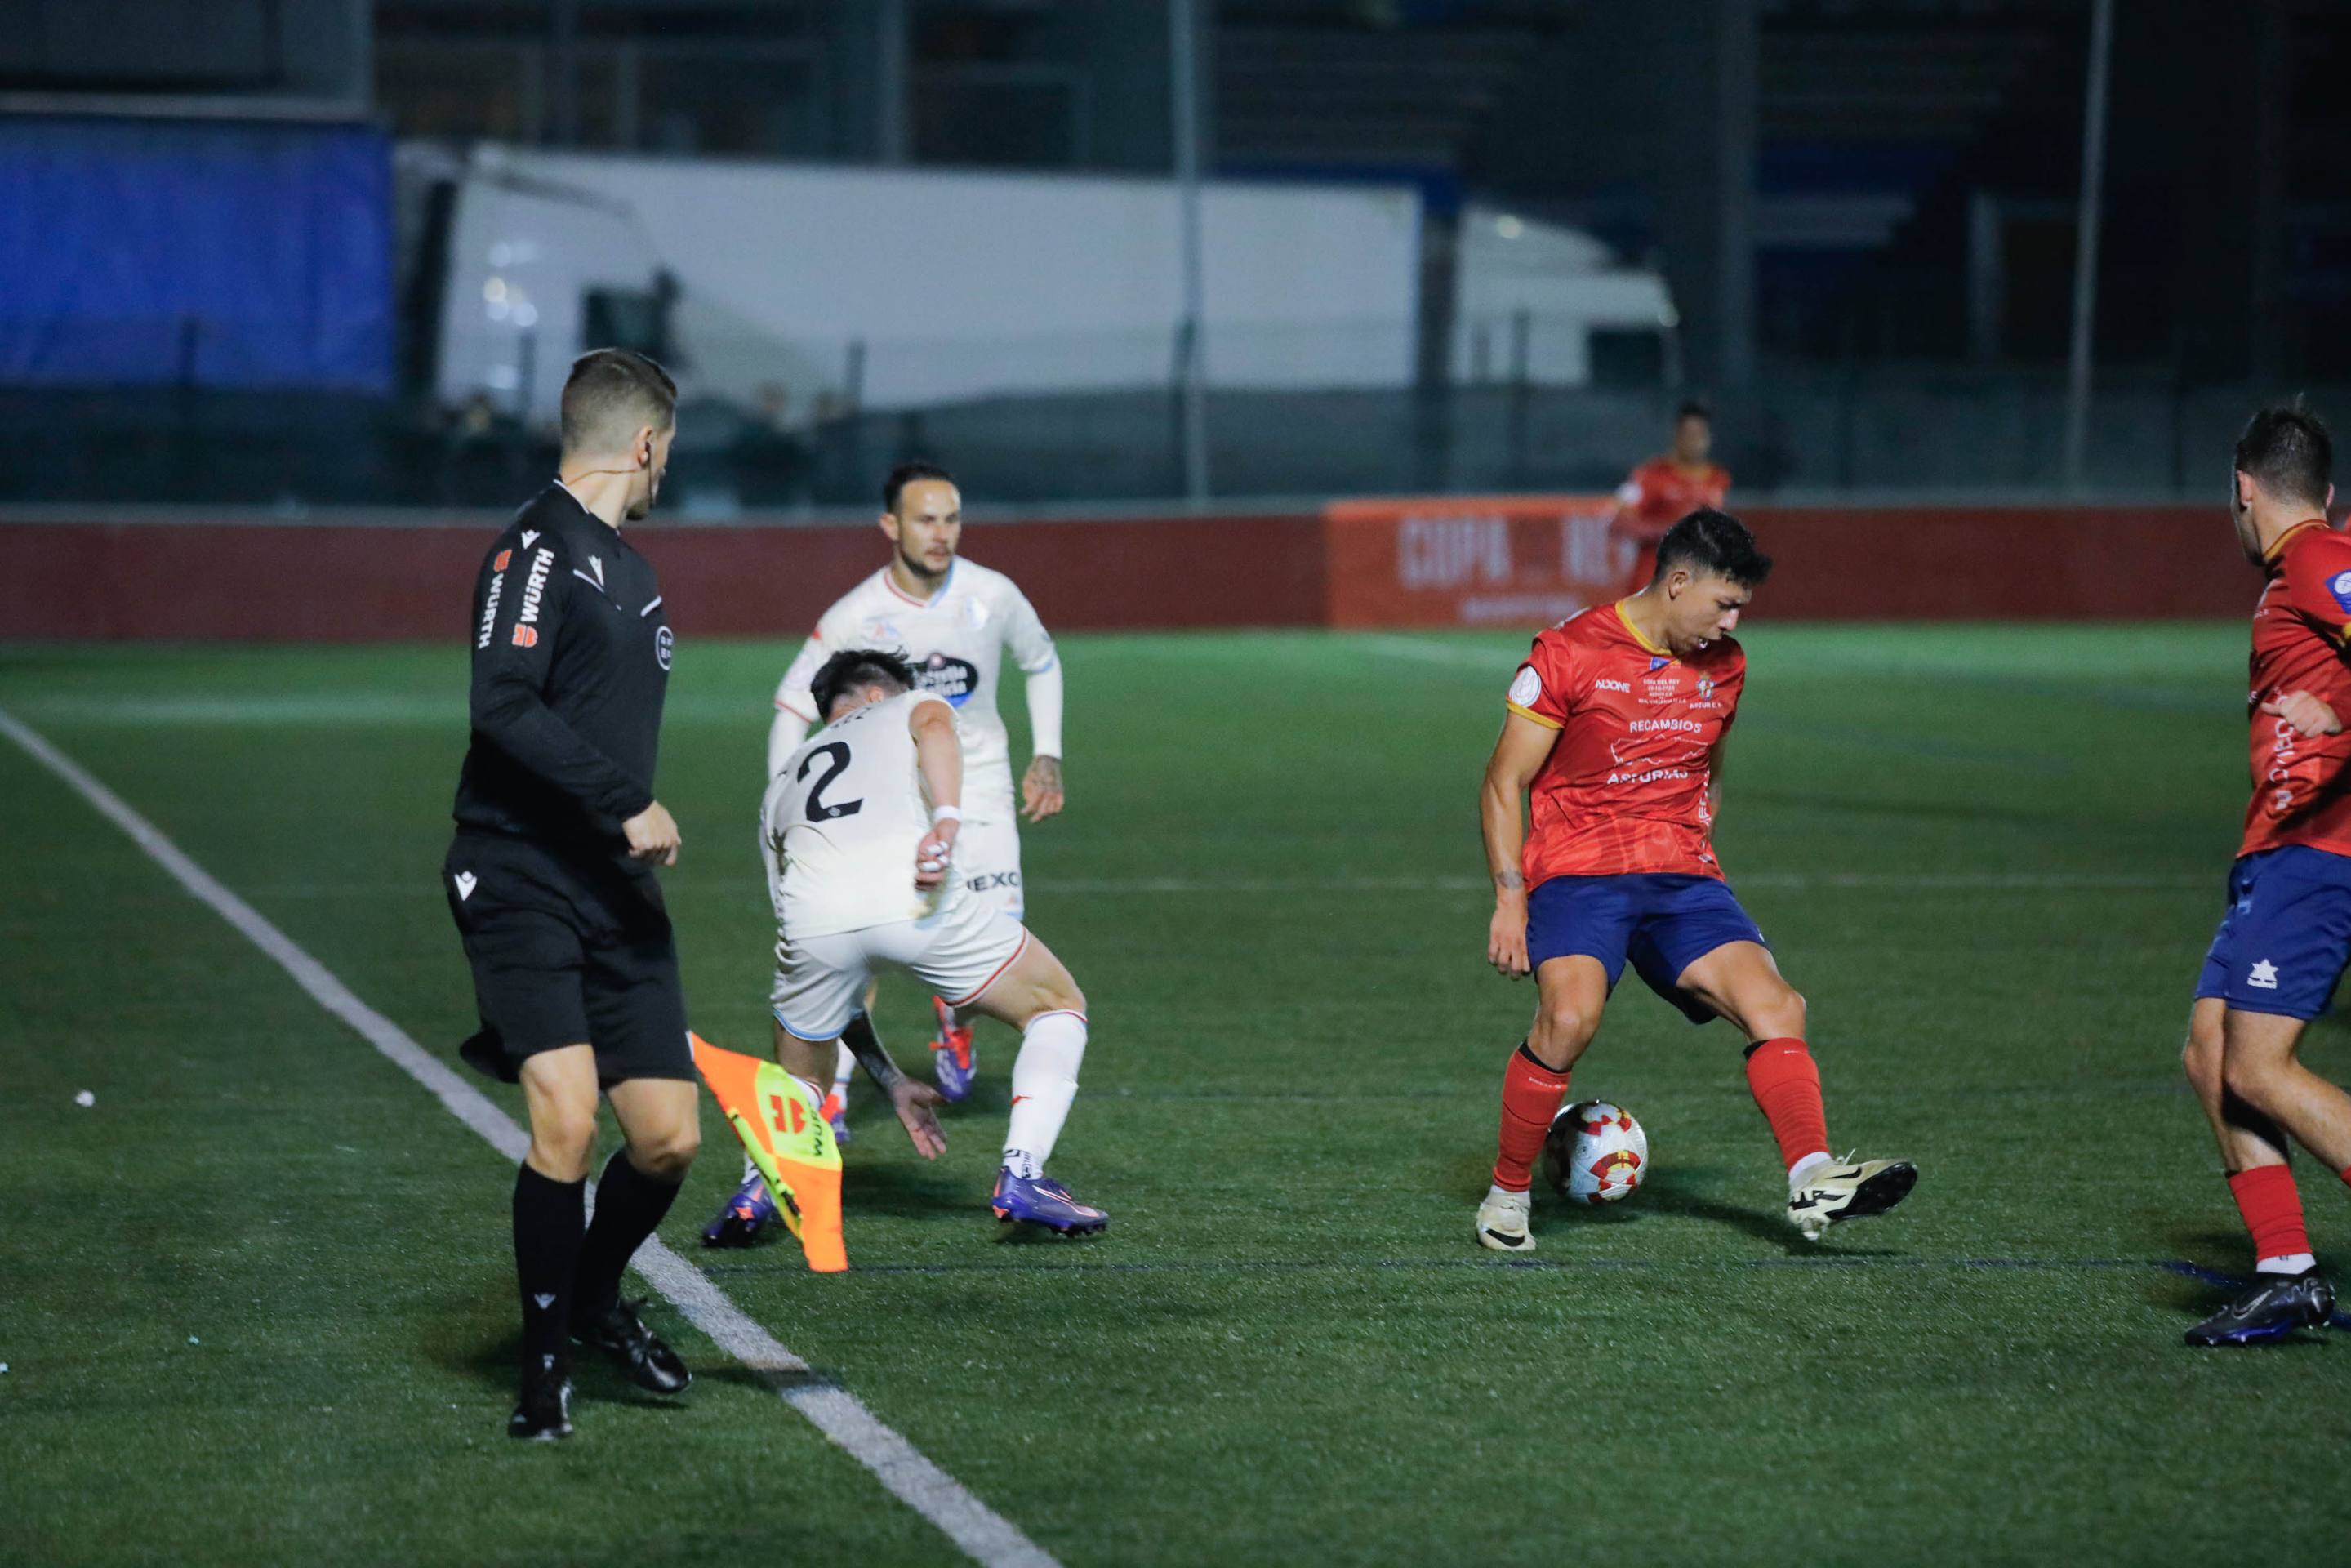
[(1470, 561)]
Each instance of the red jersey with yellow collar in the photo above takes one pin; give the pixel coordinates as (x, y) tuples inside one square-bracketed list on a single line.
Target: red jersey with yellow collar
[(2301, 792), (1624, 788)]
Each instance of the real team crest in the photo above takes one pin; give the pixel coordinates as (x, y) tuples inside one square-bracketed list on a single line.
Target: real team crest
[(1705, 688)]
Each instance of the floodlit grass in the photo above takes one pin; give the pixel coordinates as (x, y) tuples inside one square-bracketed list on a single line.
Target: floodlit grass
[(258, 1302)]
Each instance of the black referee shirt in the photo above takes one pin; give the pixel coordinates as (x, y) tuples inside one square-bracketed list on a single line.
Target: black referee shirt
[(571, 655)]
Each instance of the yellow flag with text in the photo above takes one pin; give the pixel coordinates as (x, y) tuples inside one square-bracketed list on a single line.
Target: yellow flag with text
[(784, 1130)]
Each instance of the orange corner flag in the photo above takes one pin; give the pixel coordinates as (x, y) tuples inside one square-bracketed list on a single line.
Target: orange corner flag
[(784, 1130)]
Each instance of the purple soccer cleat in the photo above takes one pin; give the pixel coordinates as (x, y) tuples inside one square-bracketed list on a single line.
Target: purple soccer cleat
[(1045, 1202)]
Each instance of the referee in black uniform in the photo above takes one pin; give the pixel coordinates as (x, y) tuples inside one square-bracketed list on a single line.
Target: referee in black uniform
[(550, 879)]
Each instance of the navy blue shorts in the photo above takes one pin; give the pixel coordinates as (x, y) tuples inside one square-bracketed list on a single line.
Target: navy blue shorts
[(1662, 922), (2285, 933)]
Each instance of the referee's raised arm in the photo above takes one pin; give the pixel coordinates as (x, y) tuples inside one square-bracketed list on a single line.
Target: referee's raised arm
[(550, 882)]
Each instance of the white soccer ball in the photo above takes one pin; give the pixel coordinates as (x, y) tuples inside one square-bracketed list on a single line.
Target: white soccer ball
[(1595, 1152)]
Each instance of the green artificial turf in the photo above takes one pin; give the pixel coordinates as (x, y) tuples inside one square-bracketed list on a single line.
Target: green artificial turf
[(255, 1301)]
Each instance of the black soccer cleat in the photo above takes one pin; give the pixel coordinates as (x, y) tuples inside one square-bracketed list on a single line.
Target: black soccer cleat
[(620, 1334), (2274, 1306), (542, 1414)]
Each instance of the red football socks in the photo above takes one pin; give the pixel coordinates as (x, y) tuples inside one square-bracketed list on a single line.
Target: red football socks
[(1786, 1083), (1531, 1094), (2266, 1197)]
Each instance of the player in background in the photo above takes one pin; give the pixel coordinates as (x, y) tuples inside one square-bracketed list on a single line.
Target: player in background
[(956, 620), (1615, 723), (863, 833), (2285, 930), (1667, 488)]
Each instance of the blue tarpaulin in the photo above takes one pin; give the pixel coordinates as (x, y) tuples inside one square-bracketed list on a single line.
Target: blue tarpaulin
[(138, 254)]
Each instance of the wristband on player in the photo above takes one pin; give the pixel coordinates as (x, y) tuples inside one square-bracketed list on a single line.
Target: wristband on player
[(945, 814)]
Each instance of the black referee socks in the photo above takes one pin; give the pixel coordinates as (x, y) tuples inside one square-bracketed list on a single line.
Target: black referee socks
[(628, 1204), (548, 1218)]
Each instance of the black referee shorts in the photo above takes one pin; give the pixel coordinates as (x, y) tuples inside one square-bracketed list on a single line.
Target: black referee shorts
[(566, 950)]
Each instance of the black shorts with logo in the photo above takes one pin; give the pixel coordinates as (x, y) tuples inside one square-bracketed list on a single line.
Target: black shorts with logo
[(566, 949)]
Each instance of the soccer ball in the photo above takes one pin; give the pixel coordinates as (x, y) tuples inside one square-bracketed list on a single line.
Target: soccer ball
[(1595, 1152)]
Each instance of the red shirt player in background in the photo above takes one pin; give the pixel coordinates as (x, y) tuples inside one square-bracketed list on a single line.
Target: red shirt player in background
[(2285, 930), (1616, 725), (1668, 488)]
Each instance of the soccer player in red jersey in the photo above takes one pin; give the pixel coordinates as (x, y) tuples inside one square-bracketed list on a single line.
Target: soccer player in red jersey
[(1615, 723), (1668, 487), (2286, 931)]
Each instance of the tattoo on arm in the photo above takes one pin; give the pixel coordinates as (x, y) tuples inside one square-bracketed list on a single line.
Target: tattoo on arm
[(866, 1045), (1509, 881)]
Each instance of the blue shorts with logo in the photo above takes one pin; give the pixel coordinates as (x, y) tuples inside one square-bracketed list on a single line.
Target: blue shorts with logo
[(2285, 933), (1662, 922)]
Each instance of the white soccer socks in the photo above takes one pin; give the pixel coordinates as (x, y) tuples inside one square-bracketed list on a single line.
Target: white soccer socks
[(844, 1067), (1044, 1083)]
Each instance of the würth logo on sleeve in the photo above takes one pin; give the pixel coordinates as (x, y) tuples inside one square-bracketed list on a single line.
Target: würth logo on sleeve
[(534, 590), (490, 604)]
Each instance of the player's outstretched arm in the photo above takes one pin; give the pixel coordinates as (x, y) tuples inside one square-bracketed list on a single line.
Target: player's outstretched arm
[(939, 756), (915, 1104), (1519, 755), (1040, 787)]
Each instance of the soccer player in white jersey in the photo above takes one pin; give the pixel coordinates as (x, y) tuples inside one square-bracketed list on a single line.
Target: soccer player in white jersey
[(956, 620), (864, 835)]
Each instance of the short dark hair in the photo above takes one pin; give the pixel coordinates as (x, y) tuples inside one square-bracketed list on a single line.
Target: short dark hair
[(854, 667), (906, 474), (611, 394), (2286, 449), (1695, 408), (1708, 541)]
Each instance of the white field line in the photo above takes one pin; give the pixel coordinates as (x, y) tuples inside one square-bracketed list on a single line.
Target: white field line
[(983, 1534)]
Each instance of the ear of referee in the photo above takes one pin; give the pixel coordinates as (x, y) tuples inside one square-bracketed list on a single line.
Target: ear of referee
[(550, 879)]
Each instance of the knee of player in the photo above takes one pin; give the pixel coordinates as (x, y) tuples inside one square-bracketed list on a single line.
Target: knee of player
[(562, 1144), (2249, 1078), (668, 1154), (2200, 1059), (1563, 1027)]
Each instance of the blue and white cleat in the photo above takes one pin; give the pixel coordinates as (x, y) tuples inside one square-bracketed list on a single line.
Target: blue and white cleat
[(1045, 1202), (750, 1211)]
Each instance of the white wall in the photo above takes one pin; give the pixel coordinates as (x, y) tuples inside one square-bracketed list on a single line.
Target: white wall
[(960, 285)]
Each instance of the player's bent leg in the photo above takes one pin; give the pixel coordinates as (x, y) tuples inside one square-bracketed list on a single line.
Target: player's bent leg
[(1036, 995), (1571, 991), (2261, 1066), (550, 1198), (661, 1120), (1741, 982), (2252, 1149)]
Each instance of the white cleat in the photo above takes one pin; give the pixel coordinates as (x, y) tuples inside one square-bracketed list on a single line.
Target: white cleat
[(1502, 1222), (1842, 1191)]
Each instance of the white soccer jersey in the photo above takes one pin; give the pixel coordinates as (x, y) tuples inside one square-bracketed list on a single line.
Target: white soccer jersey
[(840, 822), (957, 642)]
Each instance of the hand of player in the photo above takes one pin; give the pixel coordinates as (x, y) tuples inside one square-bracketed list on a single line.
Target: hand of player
[(653, 835), (1506, 940), (1040, 789), (933, 854), (917, 1107), (2307, 714)]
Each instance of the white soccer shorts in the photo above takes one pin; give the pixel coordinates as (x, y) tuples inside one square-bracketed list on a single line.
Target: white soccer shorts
[(958, 953), (987, 859)]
